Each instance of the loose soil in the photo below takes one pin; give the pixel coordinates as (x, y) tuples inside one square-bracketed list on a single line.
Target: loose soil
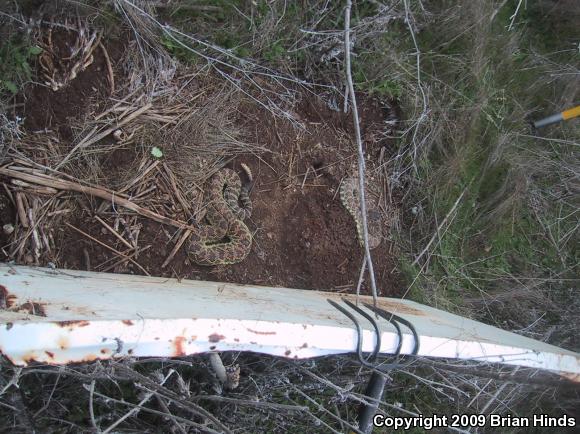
[(46, 109), (303, 236)]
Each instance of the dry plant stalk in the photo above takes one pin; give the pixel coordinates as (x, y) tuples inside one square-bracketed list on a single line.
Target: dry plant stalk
[(96, 191)]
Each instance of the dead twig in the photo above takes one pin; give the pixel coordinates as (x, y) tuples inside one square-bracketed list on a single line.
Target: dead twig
[(21, 212), (107, 247), (96, 191), (109, 67), (90, 139), (176, 248), (123, 260), (441, 225), (136, 409), (114, 232)]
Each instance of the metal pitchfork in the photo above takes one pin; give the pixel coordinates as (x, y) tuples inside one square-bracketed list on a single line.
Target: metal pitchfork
[(376, 385)]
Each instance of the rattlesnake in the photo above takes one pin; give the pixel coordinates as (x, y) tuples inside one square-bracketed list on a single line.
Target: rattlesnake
[(226, 240), (350, 198)]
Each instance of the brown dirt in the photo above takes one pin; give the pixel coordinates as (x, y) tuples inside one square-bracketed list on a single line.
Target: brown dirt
[(303, 236), (46, 109)]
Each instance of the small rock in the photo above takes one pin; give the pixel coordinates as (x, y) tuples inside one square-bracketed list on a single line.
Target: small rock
[(8, 228)]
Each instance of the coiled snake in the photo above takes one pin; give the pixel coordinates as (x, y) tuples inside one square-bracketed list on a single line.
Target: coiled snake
[(227, 239)]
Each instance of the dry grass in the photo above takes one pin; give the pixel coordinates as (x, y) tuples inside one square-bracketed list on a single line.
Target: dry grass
[(274, 395), (515, 223)]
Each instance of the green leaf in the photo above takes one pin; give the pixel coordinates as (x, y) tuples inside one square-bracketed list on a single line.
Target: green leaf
[(10, 86), (156, 152), (35, 50)]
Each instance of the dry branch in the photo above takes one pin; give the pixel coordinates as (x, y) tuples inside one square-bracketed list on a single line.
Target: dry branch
[(176, 248), (121, 254), (114, 232), (96, 191)]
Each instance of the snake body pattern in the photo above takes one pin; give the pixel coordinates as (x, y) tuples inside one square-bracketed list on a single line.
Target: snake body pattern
[(226, 239), (350, 198)]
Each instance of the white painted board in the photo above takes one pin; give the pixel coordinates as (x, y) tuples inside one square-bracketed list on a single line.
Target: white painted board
[(63, 316)]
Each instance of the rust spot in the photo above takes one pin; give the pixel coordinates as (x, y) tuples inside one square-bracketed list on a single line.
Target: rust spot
[(9, 325), (395, 307), (3, 296), (29, 357), (75, 323), (288, 352), (259, 332), (63, 343), (178, 344), (127, 322), (50, 354), (304, 345), (193, 337), (7, 300), (214, 337), (399, 308), (105, 351), (32, 308)]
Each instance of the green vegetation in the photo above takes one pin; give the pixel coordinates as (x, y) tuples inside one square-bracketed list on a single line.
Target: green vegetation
[(514, 223), (16, 56)]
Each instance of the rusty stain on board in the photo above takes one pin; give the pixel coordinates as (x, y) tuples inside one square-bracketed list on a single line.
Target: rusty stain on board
[(32, 308), (73, 323), (7, 300), (63, 343), (214, 337), (128, 322), (398, 308), (178, 344), (259, 332), (29, 357)]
